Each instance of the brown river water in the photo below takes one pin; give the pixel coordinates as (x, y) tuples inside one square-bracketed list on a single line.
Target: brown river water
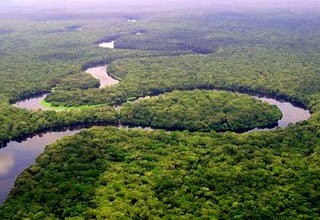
[(99, 72)]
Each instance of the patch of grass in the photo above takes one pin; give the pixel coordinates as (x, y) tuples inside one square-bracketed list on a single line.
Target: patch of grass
[(49, 106)]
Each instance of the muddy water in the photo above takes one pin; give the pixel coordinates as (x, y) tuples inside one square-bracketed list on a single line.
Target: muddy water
[(101, 74), (32, 103)]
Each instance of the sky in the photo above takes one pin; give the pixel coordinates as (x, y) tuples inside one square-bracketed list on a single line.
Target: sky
[(168, 4)]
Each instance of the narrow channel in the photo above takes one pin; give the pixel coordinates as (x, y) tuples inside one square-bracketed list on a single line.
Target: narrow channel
[(99, 72)]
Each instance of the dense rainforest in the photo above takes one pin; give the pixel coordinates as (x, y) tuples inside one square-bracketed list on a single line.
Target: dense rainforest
[(31, 122), (201, 111), (107, 173), (122, 173), (259, 70)]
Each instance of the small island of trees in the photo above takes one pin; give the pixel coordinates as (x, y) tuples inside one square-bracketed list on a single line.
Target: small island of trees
[(201, 110)]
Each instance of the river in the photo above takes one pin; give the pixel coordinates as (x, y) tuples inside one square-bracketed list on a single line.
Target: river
[(291, 114), (16, 157), (99, 72), (32, 103)]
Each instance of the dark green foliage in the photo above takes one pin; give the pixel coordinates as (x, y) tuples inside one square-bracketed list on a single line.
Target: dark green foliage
[(78, 81), (248, 52), (178, 39), (200, 111), (107, 173), (17, 123), (110, 173), (60, 56), (37, 56), (269, 72), (109, 38)]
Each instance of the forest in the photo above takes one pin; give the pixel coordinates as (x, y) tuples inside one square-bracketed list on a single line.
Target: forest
[(33, 122), (107, 173), (200, 110), (193, 164), (273, 73)]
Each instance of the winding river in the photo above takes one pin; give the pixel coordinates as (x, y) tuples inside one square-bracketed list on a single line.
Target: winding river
[(291, 113), (32, 103), (16, 157), (99, 72)]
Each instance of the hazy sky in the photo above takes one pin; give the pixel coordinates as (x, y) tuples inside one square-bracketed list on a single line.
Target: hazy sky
[(170, 4)]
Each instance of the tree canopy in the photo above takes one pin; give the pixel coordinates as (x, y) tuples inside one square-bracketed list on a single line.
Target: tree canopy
[(113, 173), (200, 110)]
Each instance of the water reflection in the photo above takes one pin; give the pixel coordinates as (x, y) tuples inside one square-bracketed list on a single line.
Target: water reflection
[(290, 114), (6, 163), (16, 157)]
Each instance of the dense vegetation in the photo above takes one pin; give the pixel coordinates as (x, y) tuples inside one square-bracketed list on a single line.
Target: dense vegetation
[(34, 60), (82, 81), (107, 173), (38, 56), (262, 71), (111, 173), (31, 122), (274, 58), (200, 111)]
